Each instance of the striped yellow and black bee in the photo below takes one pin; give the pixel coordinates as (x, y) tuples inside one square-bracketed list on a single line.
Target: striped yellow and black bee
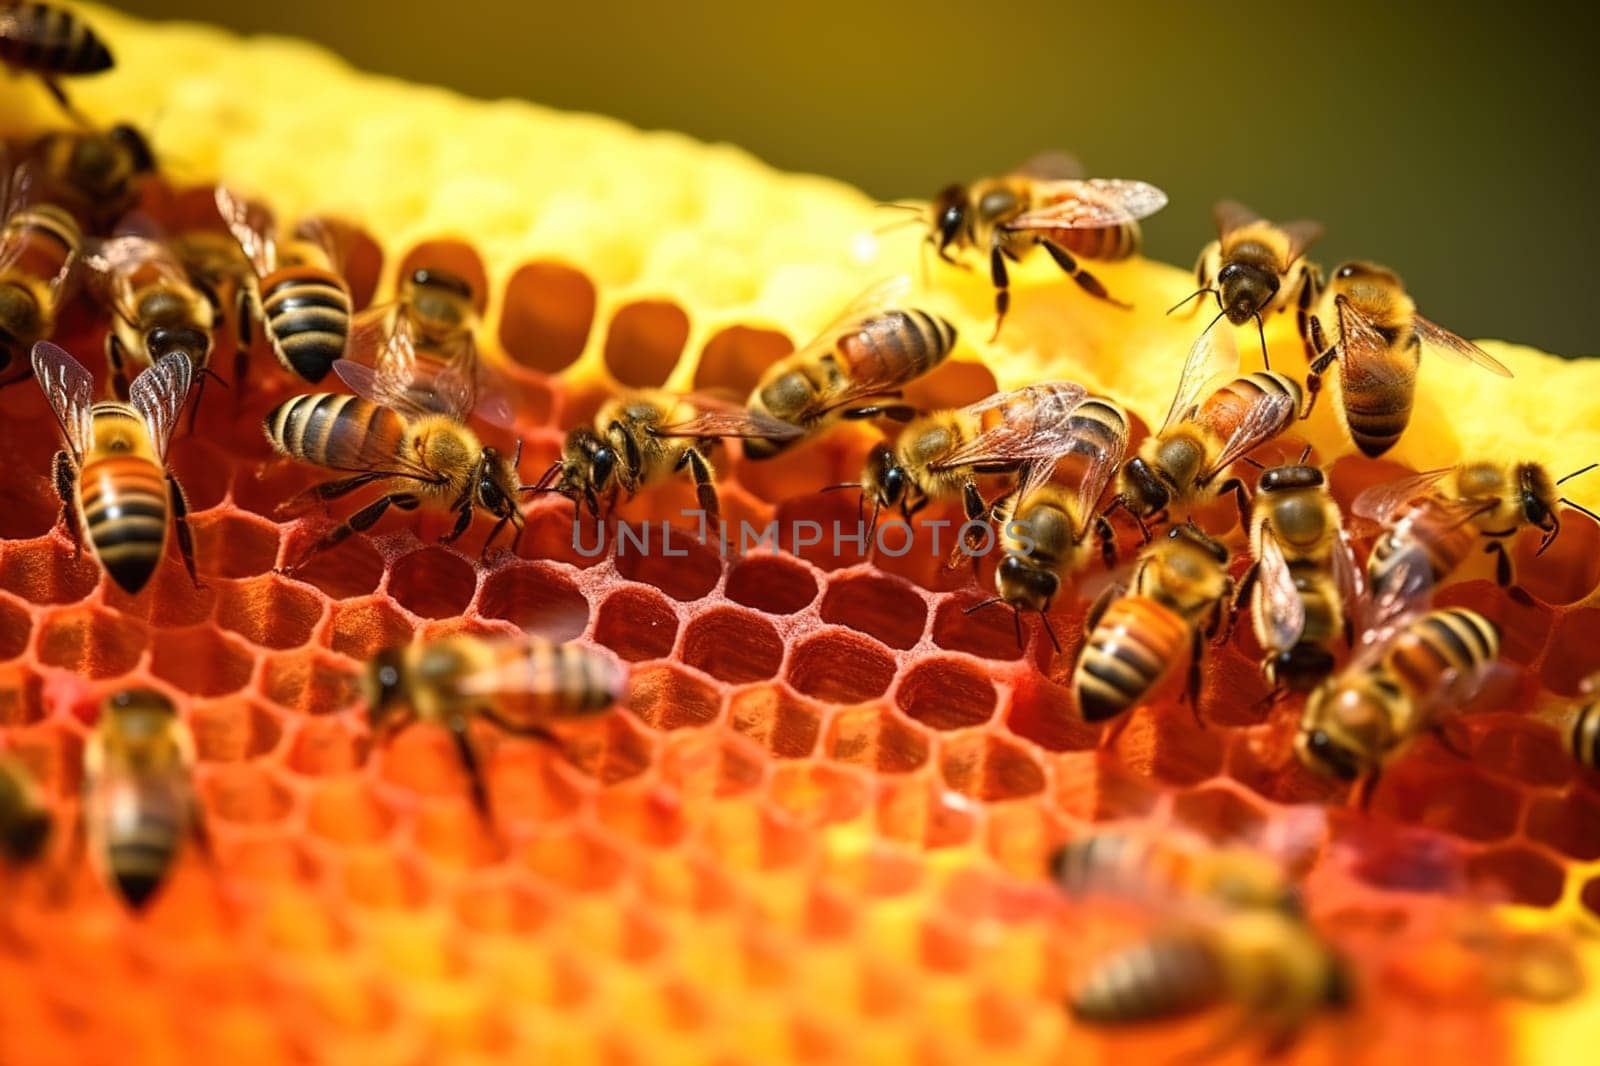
[(115, 488), (25, 821), (1046, 202), (51, 43), (854, 369), (1374, 332), (1136, 641), (1153, 865), (296, 292), (138, 794), (40, 245), (155, 308), (521, 686), (96, 174), (1579, 723)]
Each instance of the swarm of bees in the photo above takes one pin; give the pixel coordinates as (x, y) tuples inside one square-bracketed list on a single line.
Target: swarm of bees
[(1372, 662)]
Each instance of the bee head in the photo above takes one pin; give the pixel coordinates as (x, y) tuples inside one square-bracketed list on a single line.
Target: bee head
[(1289, 478), (24, 836), (494, 484), (883, 479), (1145, 493), (1244, 289), (443, 280), (1319, 751), (1300, 668), (1024, 585), (1538, 498), (949, 212), (163, 340), (1195, 536), (135, 147)]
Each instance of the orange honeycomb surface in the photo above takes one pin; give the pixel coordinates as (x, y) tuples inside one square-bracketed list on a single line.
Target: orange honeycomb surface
[(818, 829)]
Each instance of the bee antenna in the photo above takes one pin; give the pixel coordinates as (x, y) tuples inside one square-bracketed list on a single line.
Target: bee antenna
[(1049, 631), (1261, 330), (896, 205), (545, 479), (1305, 453), (1259, 465), (1580, 508), (898, 223), (1192, 295), (990, 602), (1576, 473), (516, 454), (840, 485)]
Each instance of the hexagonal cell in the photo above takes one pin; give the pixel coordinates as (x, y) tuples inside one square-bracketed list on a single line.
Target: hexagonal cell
[(1179, 750), (1566, 823), (735, 358), (644, 341), (1527, 752), (1452, 797), (1221, 814), (309, 682), (354, 569), (382, 880), (673, 560), (170, 599), (616, 748), (574, 859), (21, 695), (325, 746), (362, 628), (917, 811), (1521, 874), (775, 584), (823, 528), (1569, 658), (16, 627), (530, 785), (454, 256), (91, 642), (29, 507), (876, 738), (245, 794), (499, 908), (637, 623), (775, 718), (1569, 571), (346, 812), (545, 316), (985, 634), (879, 606), (433, 583), (423, 760), (839, 666), (269, 611), (232, 730), (536, 598), (648, 816), (1043, 712), (233, 544), (667, 698), (944, 693), (705, 766), (955, 383), (990, 768), (456, 835), (49, 573), (201, 661), (817, 794), (733, 645)]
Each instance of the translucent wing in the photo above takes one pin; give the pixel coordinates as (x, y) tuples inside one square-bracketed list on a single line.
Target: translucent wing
[(252, 226), (330, 238), (15, 194), (1093, 203), (113, 263), (70, 390), (1348, 577), (731, 422), (1363, 347), (1050, 166), (539, 672), (1038, 429), (1302, 234), (1284, 610), (1382, 502), (1458, 347), (1268, 416), (402, 376), (871, 301), (159, 393), (1400, 592), (1231, 215), (1214, 352)]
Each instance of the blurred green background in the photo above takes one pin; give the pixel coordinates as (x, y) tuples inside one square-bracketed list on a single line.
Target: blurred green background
[(1456, 143)]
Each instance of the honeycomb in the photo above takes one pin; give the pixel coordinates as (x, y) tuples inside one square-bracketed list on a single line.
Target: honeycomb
[(818, 829)]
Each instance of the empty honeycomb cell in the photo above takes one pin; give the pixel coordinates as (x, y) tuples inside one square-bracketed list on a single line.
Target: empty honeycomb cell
[(455, 835), (879, 606), (732, 645), (555, 533), (1449, 795), (1569, 823), (1518, 874), (245, 794), (671, 559), (1221, 814), (309, 682), (617, 748), (1522, 751), (233, 545), (454, 256), (536, 598), (876, 738), (945, 694), (362, 628), (201, 661), (433, 583), (55, 574), (774, 584), (703, 766), (775, 718), (1569, 659), (324, 747), (918, 812), (21, 695), (269, 611), (353, 569), (735, 358), (346, 812), (233, 730), (644, 341), (574, 859), (16, 626), (1569, 570), (637, 623), (650, 816), (817, 793), (499, 907), (382, 880), (91, 642), (29, 507), (545, 316), (170, 599), (202, 467), (667, 698), (986, 634), (839, 666), (1182, 751), (823, 528), (530, 785), (1043, 712), (990, 768)]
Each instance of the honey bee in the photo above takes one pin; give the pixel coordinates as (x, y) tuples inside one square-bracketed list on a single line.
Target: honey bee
[(1139, 865), (520, 686), (25, 822), (1580, 724), (50, 42), (138, 800), (407, 436), (623, 453), (1272, 966), (112, 477), (1201, 439), (1303, 581), (155, 309), (1256, 267), (95, 173), (1409, 675), (859, 361), (1045, 203), (1045, 527), (1136, 640), (940, 455), (1433, 520), (296, 292), (1375, 333), (39, 247)]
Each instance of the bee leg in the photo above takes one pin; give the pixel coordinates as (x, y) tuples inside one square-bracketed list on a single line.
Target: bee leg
[(463, 508), (1240, 497), (1448, 742), (66, 477), (1310, 286), (705, 486), (1114, 730), (1363, 790), (327, 490), (116, 355), (244, 334), (1107, 537), (469, 761), (1502, 562), (1086, 281), (1197, 651), (359, 522), (1223, 615), (1247, 583), (1002, 285), (60, 96), (180, 522)]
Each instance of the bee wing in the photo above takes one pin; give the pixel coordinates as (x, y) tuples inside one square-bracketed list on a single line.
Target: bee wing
[(159, 393), (1212, 353), (1285, 611), (16, 192), (1458, 347), (1267, 417), (112, 264), (1231, 215), (70, 390), (1382, 502), (332, 238), (1361, 345), (1051, 403), (252, 226), (730, 422), (1092, 203), (1348, 577), (1053, 165), (1302, 234), (871, 301)]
